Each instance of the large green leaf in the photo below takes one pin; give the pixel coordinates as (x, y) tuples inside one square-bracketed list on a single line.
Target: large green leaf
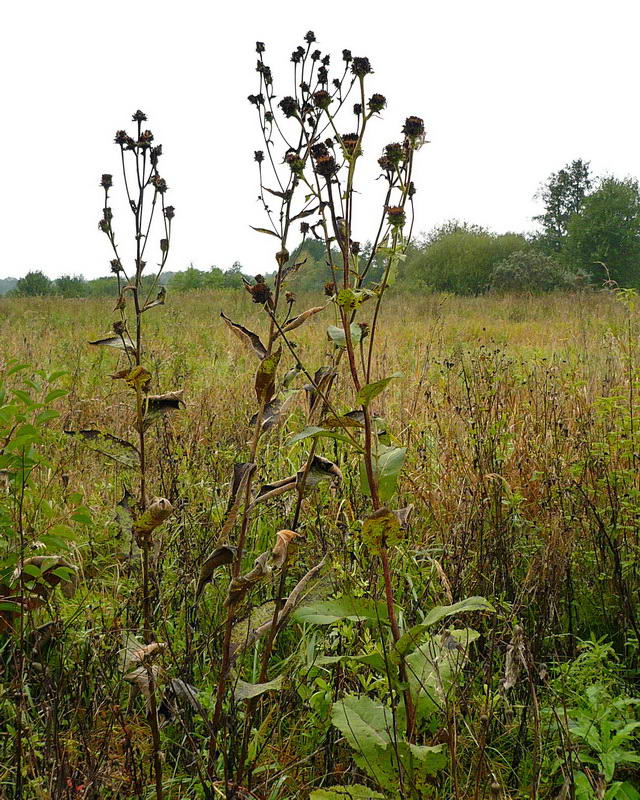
[(387, 464), (314, 432), (412, 637), (364, 723), (337, 335), (355, 609), (245, 691), (371, 390)]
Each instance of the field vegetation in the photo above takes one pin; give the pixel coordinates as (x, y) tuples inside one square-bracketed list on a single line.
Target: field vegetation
[(349, 541)]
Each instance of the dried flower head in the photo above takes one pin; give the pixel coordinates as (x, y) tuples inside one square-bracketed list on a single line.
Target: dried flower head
[(357, 109), (289, 106), (413, 127), (355, 248), (121, 137), (304, 228), (260, 48), (139, 116), (258, 155), (350, 144), (396, 216), (395, 152), (297, 55), (294, 161), (116, 265), (290, 297), (159, 183), (321, 99), (330, 289), (319, 149), (377, 102), (309, 37), (169, 212), (326, 166), (156, 152), (106, 181), (316, 55), (145, 138), (256, 99), (259, 291), (346, 56), (323, 75), (361, 66), (164, 245)]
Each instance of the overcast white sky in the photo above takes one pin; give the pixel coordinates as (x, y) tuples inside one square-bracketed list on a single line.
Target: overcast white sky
[(510, 91)]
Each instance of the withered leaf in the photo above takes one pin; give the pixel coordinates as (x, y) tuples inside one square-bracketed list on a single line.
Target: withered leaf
[(159, 301), (121, 341), (242, 473), (265, 384), (157, 512), (138, 377), (322, 380), (269, 490), (139, 678), (246, 336), (381, 529), (275, 193), (274, 412), (107, 445), (265, 230), (290, 269), (220, 556), (123, 516), (404, 515), (321, 469), (155, 405), (240, 586), (296, 322), (280, 549)]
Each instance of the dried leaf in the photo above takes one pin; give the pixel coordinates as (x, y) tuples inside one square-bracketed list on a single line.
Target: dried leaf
[(381, 529), (296, 322), (274, 412), (404, 515), (159, 301), (107, 445), (246, 336), (322, 381), (155, 405), (240, 586), (280, 549), (157, 512), (245, 691), (265, 384), (242, 473), (220, 556), (138, 377), (321, 469), (140, 678), (123, 516), (265, 230), (145, 653), (515, 659), (120, 341)]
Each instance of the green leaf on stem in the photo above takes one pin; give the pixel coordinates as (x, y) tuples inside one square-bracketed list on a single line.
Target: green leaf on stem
[(371, 390)]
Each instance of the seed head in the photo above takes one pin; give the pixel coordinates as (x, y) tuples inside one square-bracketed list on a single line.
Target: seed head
[(316, 55), (297, 55), (156, 152), (121, 137), (309, 37), (159, 183), (350, 142), (361, 66), (139, 116), (304, 228), (322, 99), (258, 156), (260, 48), (145, 139), (289, 106), (330, 288), (169, 212), (326, 166), (323, 75), (413, 127), (106, 181), (377, 102), (346, 56), (396, 216), (259, 291), (256, 99), (116, 265), (357, 109)]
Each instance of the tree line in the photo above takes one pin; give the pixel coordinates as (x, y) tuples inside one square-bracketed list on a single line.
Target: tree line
[(588, 235)]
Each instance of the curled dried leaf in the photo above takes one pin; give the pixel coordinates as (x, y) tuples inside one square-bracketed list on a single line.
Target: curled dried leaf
[(157, 512), (159, 301), (155, 405), (404, 515), (265, 383), (247, 337), (240, 586), (107, 445), (146, 653), (242, 473), (120, 341), (280, 550), (296, 322), (220, 556), (139, 678)]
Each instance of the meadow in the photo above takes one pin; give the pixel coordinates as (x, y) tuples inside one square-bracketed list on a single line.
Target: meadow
[(515, 561)]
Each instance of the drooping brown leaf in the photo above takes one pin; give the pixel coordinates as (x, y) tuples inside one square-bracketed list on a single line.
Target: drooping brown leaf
[(381, 529), (247, 337), (146, 653), (515, 660), (404, 515), (296, 322), (138, 377), (120, 341), (265, 383), (242, 473), (261, 619), (220, 556), (157, 512), (280, 549), (240, 586), (159, 301), (322, 380), (107, 445), (269, 490), (274, 412), (139, 678), (321, 469), (290, 269), (155, 405)]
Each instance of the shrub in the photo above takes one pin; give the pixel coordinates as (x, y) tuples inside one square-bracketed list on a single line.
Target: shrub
[(533, 271)]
